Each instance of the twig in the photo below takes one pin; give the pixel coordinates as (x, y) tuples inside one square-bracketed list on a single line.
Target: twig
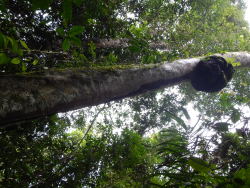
[(91, 124)]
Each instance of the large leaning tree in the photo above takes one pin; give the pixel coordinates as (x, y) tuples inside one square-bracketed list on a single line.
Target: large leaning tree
[(57, 56), (36, 94)]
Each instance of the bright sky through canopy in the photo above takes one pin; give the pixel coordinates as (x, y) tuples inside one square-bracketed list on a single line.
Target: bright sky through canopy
[(247, 14)]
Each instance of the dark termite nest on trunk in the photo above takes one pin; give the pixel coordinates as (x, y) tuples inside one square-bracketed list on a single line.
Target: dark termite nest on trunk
[(211, 74)]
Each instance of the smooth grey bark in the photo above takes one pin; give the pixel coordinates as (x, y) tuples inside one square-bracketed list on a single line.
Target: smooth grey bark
[(31, 95), (242, 57)]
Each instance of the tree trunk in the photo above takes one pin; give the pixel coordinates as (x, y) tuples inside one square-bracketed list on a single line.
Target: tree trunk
[(29, 95), (124, 43)]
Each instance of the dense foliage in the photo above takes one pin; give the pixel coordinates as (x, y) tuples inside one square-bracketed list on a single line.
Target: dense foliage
[(154, 140)]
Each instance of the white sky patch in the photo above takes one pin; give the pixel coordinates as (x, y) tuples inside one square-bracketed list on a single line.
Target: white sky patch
[(247, 14)]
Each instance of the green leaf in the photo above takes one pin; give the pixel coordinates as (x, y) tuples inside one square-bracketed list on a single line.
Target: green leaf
[(19, 52), (78, 2), (225, 100), (111, 59), (92, 49), (76, 41), (38, 4), (221, 126), (15, 60), (67, 10), (66, 44), (177, 119), (6, 41), (24, 45), (2, 41), (76, 30), (2, 6), (14, 44), (236, 64), (60, 32), (35, 62), (4, 58), (24, 68), (199, 165), (185, 112), (235, 116)]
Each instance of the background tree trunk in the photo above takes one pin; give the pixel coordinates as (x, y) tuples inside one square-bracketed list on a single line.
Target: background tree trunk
[(123, 43), (30, 95)]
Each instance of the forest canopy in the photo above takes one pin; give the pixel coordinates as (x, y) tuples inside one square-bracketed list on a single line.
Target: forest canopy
[(173, 137)]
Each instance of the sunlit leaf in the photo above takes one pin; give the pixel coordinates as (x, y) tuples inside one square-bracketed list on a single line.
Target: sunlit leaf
[(15, 60), (24, 67), (236, 64), (35, 62), (24, 45)]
